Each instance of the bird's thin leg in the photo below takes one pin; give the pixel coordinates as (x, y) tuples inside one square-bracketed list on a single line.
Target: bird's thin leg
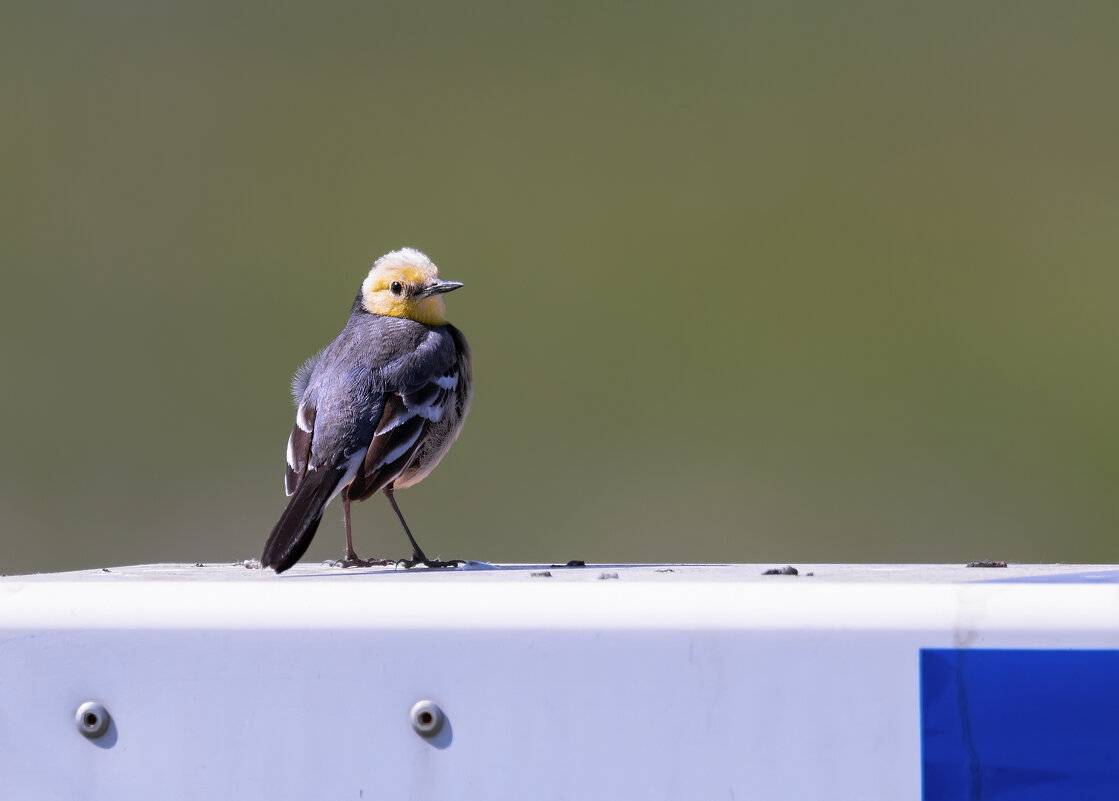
[(351, 559), (351, 555), (417, 552), (418, 557)]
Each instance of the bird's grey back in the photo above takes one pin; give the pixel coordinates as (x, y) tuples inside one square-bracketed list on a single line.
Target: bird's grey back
[(346, 382)]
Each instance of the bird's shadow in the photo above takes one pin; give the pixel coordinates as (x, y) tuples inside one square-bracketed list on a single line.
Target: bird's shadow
[(468, 566)]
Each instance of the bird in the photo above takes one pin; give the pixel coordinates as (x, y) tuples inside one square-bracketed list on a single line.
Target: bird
[(377, 408)]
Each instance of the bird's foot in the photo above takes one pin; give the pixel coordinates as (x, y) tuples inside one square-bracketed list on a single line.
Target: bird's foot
[(420, 559), (352, 560)]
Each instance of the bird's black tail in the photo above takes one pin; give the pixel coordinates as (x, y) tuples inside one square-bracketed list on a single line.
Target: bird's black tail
[(296, 527)]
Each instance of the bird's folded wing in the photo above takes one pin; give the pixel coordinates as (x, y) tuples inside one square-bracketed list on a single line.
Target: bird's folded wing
[(400, 431), (299, 445)]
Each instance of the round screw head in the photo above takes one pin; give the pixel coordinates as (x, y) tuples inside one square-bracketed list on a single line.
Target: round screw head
[(92, 719), (427, 718)]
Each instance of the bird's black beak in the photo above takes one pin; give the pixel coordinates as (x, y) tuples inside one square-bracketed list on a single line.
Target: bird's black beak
[(439, 287)]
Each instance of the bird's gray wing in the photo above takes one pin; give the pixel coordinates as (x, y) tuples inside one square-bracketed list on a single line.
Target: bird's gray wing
[(302, 431), (299, 446), (407, 414)]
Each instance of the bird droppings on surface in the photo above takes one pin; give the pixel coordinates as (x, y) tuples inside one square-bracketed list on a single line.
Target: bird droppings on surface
[(474, 564), (607, 575), (541, 574), (665, 570), (106, 570), (810, 573), (986, 564), (787, 570), (199, 564)]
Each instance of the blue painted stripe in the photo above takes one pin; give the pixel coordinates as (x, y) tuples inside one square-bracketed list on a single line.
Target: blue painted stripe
[(1016, 724)]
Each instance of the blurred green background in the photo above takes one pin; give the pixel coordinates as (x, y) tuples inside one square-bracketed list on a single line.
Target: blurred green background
[(779, 282)]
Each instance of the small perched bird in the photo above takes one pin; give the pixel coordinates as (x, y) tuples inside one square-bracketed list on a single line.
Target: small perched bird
[(377, 408)]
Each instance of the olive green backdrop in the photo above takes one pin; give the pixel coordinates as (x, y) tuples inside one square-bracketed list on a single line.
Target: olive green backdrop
[(794, 281)]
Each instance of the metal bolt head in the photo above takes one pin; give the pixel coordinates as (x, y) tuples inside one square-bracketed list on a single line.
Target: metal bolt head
[(427, 718), (92, 719)]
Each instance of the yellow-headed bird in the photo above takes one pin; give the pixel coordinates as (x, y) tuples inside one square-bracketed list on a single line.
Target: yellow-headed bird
[(377, 408)]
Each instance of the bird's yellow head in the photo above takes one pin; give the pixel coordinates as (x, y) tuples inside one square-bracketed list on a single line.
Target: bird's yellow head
[(406, 284)]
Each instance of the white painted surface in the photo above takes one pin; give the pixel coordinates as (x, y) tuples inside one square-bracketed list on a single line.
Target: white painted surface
[(668, 681)]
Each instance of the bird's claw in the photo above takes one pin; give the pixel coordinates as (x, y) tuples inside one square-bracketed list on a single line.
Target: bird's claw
[(420, 559), (354, 561)]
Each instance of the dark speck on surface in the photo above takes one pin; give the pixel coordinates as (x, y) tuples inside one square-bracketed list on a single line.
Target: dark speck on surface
[(986, 564), (787, 570)]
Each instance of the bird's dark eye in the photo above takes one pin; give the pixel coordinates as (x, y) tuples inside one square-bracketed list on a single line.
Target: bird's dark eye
[(396, 287)]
